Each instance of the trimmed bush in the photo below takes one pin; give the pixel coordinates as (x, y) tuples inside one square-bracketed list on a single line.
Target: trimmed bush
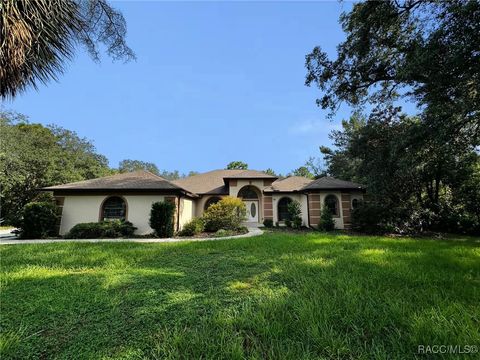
[(161, 218), (103, 229), (268, 223), (294, 211), (297, 223), (326, 220), (193, 227), (39, 220), (228, 214)]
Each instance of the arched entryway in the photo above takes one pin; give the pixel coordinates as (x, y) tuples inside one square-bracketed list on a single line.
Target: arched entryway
[(250, 195)]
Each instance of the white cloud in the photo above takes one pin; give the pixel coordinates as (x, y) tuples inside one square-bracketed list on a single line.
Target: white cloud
[(314, 126)]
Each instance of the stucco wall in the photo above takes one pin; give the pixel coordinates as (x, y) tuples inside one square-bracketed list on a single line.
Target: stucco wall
[(301, 198), (139, 207), (187, 211), (79, 209), (86, 208), (318, 200)]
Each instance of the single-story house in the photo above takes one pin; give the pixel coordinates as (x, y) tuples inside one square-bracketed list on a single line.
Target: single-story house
[(130, 196)]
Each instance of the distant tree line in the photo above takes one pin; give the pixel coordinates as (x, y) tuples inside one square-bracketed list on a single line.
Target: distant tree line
[(34, 156), (128, 165)]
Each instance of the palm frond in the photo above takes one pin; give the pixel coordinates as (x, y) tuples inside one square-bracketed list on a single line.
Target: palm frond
[(36, 39)]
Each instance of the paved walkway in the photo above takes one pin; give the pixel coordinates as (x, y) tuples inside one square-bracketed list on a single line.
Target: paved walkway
[(252, 231)]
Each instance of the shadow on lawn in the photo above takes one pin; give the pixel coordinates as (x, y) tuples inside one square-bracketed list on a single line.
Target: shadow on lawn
[(336, 297)]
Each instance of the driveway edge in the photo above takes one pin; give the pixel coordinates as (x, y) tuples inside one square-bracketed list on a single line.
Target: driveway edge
[(251, 233)]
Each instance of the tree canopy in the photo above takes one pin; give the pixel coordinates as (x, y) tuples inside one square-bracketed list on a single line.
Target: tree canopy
[(417, 186), (302, 171), (33, 156), (421, 171), (425, 51), (128, 165), (38, 37), (237, 165), (272, 172)]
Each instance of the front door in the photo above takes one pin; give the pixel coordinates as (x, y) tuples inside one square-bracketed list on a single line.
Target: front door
[(252, 210)]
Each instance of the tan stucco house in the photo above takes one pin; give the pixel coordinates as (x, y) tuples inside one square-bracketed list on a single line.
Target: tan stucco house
[(130, 196)]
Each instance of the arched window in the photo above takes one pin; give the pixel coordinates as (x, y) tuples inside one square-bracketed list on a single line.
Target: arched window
[(355, 203), (248, 192), (211, 201), (331, 202), (114, 208), (283, 209)]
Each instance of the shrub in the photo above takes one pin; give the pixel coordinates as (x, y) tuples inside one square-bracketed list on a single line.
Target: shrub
[(268, 223), (161, 218), (297, 223), (228, 214), (288, 223), (39, 220), (326, 220), (103, 229), (125, 228), (367, 218), (193, 227), (294, 214), (224, 232)]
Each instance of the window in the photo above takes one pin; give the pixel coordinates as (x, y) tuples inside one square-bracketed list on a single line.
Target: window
[(283, 209), (331, 202), (253, 209), (247, 192), (355, 203), (211, 201), (114, 208)]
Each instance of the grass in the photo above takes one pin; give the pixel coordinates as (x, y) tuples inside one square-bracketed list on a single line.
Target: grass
[(288, 296)]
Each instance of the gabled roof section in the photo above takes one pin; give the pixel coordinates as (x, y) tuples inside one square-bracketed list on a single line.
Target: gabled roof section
[(137, 180), (248, 174), (213, 182), (330, 183), (289, 184)]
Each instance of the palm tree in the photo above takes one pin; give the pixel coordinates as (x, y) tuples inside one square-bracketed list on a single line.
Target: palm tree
[(39, 36)]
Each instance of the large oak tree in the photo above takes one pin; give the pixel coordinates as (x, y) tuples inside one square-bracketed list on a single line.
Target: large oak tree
[(424, 51)]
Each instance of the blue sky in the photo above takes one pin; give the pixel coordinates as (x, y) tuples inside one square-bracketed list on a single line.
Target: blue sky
[(213, 82)]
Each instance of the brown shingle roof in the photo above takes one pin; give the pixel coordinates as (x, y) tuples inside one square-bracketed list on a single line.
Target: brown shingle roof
[(213, 182), (137, 180), (328, 183), (291, 183), (249, 174)]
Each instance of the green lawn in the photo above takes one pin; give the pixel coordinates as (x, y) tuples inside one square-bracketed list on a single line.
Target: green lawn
[(274, 296)]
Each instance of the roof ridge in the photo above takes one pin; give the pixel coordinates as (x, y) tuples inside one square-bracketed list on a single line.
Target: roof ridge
[(156, 175)]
